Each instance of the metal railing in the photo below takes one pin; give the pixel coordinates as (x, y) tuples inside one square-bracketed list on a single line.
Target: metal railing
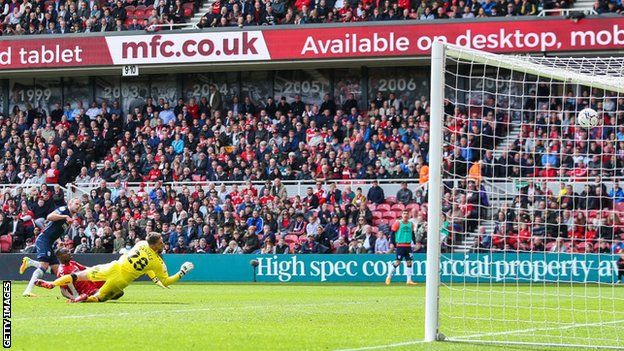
[(566, 12), (27, 187), (170, 26), (499, 189), (293, 187)]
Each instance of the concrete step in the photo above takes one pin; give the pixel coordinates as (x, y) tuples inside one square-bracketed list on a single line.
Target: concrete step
[(201, 12)]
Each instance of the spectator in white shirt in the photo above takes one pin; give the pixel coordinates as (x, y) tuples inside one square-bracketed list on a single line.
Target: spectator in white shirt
[(94, 111), (381, 244), (313, 223)]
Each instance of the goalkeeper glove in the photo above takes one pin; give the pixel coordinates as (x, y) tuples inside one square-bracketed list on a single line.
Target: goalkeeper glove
[(185, 268)]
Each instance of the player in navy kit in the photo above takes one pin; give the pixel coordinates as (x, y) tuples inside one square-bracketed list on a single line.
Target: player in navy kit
[(57, 223)]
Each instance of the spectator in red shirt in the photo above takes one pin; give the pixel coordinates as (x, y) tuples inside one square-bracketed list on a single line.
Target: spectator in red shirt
[(266, 197), (193, 108), (52, 174), (300, 3)]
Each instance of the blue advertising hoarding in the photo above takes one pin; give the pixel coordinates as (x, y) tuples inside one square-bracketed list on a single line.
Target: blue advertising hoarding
[(472, 268)]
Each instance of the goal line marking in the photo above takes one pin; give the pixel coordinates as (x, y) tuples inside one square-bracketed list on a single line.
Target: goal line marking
[(519, 331)]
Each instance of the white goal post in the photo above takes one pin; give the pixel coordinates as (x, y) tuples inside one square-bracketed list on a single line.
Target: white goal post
[(524, 206)]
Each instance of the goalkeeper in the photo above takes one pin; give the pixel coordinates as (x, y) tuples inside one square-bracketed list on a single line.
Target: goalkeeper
[(143, 258)]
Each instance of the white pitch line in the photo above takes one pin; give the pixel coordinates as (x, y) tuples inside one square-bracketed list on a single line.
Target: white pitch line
[(468, 337), (138, 313), (531, 330), (386, 346)]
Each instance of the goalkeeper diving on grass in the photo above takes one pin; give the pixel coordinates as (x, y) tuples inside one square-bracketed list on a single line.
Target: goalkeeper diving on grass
[(143, 258)]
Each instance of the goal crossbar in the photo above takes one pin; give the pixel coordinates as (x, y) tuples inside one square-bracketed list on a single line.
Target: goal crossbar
[(564, 70)]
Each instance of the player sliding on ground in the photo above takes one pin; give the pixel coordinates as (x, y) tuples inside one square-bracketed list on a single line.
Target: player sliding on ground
[(402, 237), (144, 258), (69, 266)]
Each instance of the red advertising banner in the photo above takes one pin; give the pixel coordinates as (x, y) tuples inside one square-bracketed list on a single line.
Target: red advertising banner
[(314, 43), (416, 39)]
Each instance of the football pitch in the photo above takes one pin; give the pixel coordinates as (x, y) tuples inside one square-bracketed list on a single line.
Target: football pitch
[(240, 317)]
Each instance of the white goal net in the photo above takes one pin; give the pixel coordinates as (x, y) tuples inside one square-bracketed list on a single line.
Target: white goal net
[(526, 207)]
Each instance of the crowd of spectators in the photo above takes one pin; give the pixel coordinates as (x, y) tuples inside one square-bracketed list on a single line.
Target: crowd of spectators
[(214, 140), (245, 13), (564, 220), (550, 146), (80, 16), (218, 219), (68, 16)]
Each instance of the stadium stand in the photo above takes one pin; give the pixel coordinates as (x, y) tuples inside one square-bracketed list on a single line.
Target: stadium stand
[(62, 17), (181, 171)]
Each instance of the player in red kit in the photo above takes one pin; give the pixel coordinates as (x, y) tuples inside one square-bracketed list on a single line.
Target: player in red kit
[(69, 266)]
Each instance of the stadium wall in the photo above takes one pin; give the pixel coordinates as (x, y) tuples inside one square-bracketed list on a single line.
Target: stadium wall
[(474, 268)]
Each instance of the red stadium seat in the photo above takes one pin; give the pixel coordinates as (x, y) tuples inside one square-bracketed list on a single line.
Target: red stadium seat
[(147, 12), (619, 207), (291, 238), (383, 207), (397, 207), (389, 215), (372, 206), (377, 214), (6, 243), (150, 7), (188, 5), (140, 8), (188, 12), (130, 9), (391, 200), (398, 214), (411, 207), (379, 222)]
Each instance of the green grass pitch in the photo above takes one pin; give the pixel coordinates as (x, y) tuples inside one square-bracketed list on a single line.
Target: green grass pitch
[(271, 317)]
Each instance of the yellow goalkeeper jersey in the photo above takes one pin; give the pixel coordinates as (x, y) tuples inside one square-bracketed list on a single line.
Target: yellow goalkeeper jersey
[(141, 259)]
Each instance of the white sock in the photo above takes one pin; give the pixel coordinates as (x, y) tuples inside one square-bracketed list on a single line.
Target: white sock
[(409, 271), (391, 271), (37, 274), (34, 263)]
